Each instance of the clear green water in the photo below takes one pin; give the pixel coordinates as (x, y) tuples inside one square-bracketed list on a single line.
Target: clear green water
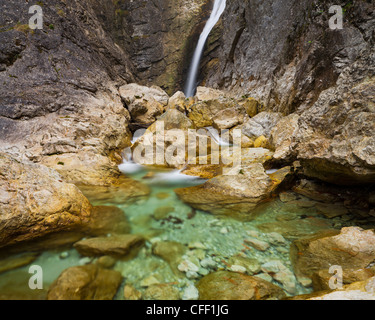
[(221, 237)]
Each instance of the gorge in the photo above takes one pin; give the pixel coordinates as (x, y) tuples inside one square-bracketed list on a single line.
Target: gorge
[(274, 134)]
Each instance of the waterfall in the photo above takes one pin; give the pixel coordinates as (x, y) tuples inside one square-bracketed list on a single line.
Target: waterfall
[(217, 11)]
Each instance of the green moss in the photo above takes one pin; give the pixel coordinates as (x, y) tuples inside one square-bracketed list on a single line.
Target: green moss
[(60, 163)]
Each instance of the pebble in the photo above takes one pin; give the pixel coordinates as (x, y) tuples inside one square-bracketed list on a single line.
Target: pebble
[(253, 233), (130, 293), (149, 281), (208, 263), (224, 230), (64, 255), (196, 245), (203, 271), (190, 293), (264, 276), (236, 268), (258, 244), (187, 265), (192, 275), (276, 238), (84, 261)]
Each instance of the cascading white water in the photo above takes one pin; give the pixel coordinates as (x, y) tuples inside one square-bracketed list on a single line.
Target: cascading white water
[(217, 11)]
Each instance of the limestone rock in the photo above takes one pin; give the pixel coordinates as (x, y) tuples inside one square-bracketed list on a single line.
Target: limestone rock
[(352, 248), (361, 290), (16, 261), (144, 104), (116, 245), (228, 118), (162, 212), (107, 220), (206, 94), (281, 274), (68, 118), (35, 202), (162, 292), (252, 266), (130, 293), (321, 278), (261, 125), (233, 195), (203, 112), (125, 190), (250, 105), (282, 136), (225, 285), (85, 283), (171, 252), (178, 101)]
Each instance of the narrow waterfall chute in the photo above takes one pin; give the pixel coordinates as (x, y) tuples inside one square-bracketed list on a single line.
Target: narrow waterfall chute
[(217, 11)]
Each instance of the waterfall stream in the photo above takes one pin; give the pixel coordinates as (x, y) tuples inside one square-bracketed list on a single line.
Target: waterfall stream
[(217, 11)]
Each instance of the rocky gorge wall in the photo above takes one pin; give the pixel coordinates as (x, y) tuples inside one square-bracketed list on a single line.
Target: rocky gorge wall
[(284, 54)]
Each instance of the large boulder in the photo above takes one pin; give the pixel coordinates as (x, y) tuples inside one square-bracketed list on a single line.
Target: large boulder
[(360, 290), (225, 285), (172, 141), (234, 195), (144, 104), (35, 201), (352, 248), (171, 252), (85, 283), (214, 107), (261, 124)]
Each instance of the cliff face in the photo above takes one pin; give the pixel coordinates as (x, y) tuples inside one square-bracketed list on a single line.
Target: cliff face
[(284, 52), (59, 99), (159, 36)]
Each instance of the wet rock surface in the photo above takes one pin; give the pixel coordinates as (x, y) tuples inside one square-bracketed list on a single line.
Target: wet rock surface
[(233, 195), (85, 283), (225, 285), (115, 245), (35, 201)]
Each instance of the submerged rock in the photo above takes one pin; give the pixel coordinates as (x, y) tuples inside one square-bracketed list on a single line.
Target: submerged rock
[(225, 285), (85, 283), (125, 190), (35, 201), (171, 252), (321, 278), (161, 292), (107, 220), (232, 195), (361, 290), (116, 245), (352, 248), (130, 293), (16, 261)]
